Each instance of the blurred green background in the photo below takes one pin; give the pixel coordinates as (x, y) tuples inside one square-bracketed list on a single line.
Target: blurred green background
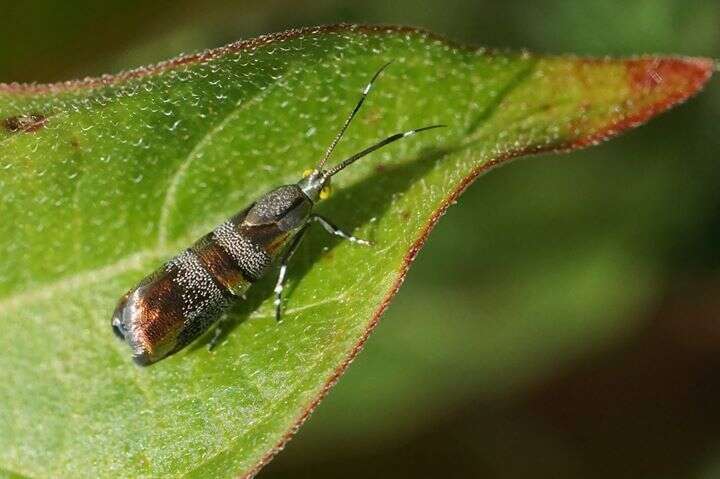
[(564, 319)]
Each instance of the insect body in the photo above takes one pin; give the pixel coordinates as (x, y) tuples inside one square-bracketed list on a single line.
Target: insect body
[(174, 305)]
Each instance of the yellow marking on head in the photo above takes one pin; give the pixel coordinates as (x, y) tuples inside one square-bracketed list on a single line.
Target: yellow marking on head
[(326, 191)]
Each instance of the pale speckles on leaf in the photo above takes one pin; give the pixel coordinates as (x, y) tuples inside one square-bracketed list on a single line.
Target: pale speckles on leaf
[(166, 153)]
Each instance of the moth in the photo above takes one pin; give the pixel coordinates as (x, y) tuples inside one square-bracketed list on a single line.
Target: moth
[(174, 305)]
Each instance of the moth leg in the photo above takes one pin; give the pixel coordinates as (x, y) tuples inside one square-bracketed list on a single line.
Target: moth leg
[(217, 332), (283, 270), (334, 230)]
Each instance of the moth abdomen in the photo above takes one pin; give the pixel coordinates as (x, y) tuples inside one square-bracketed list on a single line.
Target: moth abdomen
[(182, 299), (169, 308)]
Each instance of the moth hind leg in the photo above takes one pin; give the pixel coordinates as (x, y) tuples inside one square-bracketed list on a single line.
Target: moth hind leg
[(218, 331)]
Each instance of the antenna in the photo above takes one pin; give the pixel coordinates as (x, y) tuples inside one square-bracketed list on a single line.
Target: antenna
[(364, 95), (390, 139)]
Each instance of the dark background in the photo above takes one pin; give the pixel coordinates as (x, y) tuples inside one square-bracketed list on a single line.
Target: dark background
[(564, 319)]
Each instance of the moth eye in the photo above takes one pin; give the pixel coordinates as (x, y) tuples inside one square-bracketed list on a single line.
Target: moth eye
[(325, 192)]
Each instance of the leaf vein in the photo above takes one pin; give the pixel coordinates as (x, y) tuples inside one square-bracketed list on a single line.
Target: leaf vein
[(168, 204)]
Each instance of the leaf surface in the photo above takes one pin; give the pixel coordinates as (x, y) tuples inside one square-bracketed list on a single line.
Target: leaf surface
[(102, 180)]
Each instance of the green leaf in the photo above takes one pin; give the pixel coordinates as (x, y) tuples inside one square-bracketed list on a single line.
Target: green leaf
[(102, 180)]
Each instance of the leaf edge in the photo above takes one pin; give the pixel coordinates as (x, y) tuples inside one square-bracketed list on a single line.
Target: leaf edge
[(609, 131), (705, 68)]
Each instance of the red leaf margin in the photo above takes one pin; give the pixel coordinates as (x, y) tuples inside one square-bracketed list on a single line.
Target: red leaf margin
[(644, 74)]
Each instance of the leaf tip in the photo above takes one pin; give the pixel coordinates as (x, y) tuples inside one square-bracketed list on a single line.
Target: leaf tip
[(677, 77), (655, 84)]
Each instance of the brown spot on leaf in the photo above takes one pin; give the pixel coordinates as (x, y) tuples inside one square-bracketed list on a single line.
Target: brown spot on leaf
[(25, 123)]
